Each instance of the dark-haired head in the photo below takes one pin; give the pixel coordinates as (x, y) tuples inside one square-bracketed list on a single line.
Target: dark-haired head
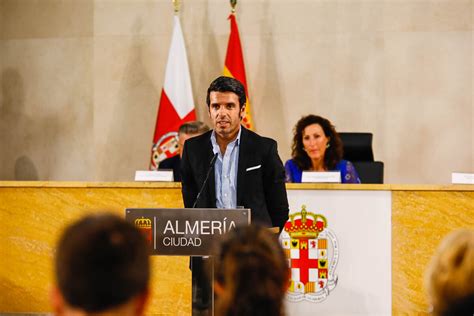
[(251, 273), (227, 84), (188, 130), (193, 128), (333, 153), (101, 263)]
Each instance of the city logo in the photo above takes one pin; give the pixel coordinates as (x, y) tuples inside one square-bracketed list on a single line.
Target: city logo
[(144, 225), (312, 252)]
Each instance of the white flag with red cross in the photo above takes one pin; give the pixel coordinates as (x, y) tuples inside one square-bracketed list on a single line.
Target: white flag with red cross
[(176, 102)]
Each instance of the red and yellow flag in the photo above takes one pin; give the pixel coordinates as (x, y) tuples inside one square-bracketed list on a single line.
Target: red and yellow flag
[(234, 66)]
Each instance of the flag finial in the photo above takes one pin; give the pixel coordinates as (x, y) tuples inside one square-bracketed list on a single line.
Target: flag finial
[(176, 6), (233, 3)]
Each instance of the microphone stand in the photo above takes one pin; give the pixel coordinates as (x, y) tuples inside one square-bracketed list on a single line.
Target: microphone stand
[(213, 160), (200, 262)]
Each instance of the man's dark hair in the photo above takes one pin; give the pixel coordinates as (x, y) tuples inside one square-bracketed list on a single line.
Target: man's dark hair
[(459, 307), (227, 84), (192, 128), (101, 262)]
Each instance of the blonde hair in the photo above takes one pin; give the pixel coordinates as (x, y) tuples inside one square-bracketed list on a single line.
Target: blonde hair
[(449, 279)]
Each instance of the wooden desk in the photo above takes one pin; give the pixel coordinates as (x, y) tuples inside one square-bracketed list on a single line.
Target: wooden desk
[(32, 215)]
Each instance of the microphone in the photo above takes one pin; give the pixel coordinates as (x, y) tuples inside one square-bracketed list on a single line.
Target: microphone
[(213, 161)]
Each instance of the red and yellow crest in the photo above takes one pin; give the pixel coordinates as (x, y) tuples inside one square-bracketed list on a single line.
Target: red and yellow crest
[(312, 253)]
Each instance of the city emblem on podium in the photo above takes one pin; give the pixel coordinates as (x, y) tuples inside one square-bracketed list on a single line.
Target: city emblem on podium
[(312, 252), (144, 225), (165, 147)]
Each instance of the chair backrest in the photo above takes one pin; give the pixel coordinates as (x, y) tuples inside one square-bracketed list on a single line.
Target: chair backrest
[(357, 146), (358, 150)]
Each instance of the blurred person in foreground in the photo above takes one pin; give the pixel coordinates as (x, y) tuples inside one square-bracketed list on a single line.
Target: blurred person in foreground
[(449, 278), (317, 147), (101, 268), (185, 131), (250, 273)]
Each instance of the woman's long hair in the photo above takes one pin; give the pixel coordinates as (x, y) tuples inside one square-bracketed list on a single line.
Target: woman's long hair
[(251, 268), (332, 155)]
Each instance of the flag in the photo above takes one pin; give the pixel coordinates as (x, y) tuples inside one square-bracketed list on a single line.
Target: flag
[(176, 101), (234, 66)]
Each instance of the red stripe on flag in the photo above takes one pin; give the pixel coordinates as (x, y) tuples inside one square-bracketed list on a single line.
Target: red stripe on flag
[(234, 66), (234, 60), (168, 119)]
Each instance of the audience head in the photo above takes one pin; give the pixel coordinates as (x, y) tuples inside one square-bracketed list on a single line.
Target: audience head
[(250, 273), (101, 266), (188, 130), (315, 138), (227, 84), (449, 278)]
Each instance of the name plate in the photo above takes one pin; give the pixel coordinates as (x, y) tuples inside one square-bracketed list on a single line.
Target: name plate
[(160, 175), (462, 178), (321, 177), (187, 231)]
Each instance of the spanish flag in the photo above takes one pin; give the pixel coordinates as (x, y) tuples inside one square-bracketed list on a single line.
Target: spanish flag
[(234, 66)]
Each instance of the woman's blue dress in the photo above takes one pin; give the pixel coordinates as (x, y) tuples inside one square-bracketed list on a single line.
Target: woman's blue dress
[(346, 168)]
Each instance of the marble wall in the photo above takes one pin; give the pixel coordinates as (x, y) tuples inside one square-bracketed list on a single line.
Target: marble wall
[(80, 80)]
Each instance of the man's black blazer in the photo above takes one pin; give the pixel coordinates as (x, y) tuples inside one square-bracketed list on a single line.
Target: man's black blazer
[(260, 177)]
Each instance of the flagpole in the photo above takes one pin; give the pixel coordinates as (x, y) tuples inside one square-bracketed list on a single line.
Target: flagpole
[(176, 4), (233, 3)]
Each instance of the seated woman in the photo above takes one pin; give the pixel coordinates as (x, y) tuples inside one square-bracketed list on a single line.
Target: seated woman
[(250, 273), (317, 147)]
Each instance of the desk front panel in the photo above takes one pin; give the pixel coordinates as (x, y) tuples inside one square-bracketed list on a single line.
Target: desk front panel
[(31, 219), (32, 215)]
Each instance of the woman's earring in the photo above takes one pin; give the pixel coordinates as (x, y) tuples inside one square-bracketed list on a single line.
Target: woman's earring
[(328, 145)]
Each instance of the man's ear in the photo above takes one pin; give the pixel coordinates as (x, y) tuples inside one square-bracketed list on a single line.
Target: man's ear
[(57, 301), (218, 288), (288, 277), (242, 112), (141, 302)]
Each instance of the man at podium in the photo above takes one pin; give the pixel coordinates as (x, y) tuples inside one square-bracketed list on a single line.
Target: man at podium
[(231, 167), (245, 169)]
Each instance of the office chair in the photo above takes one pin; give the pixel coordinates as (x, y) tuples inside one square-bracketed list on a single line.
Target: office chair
[(358, 150)]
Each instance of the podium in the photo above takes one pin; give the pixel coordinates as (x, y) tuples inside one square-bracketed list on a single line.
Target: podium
[(188, 232)]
